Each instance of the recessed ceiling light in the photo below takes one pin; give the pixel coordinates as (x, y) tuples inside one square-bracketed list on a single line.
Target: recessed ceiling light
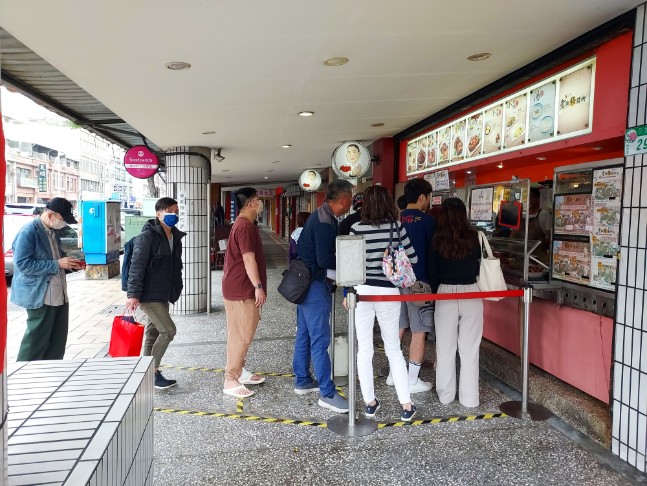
[(177, 65), (225, 170), (500, 166), (377, 124), (541, 158), (287, 145), (306, 113), (209, 132), (336, 61), (271, 170), (468, 171), (265, 177), (598, 148), (481, 56), (276, 162)]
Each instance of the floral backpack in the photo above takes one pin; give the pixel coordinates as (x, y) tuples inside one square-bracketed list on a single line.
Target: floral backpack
[(396, 265)]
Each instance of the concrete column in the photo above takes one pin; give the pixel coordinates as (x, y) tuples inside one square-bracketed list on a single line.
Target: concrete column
[(629, 405), (187, 181)]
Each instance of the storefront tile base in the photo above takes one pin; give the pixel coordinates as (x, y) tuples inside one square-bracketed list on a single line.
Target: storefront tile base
[(82, 422)]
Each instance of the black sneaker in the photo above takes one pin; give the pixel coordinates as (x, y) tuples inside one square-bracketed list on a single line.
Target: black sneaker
[(371, 410), (407, 415), (162, 383)]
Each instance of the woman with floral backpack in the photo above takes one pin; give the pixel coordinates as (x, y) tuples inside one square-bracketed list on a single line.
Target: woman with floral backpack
[(389, 255)]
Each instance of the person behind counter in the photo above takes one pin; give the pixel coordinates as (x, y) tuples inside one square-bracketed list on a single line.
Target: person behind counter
[(539, 224)]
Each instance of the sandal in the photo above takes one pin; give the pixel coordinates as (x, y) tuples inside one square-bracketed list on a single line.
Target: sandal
[(247, 378), (238, 392)]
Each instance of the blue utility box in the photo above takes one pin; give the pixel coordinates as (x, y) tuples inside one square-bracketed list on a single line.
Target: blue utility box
[(101, 230)]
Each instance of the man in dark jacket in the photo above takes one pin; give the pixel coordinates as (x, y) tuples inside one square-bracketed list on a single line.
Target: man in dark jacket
[(155, 280), (317, 249)]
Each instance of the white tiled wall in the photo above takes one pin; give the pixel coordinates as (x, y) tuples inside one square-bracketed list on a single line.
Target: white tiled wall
[(188, 182), (629, 432)]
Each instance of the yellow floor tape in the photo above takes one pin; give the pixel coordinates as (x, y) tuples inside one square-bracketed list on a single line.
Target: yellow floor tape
[(264, 418)]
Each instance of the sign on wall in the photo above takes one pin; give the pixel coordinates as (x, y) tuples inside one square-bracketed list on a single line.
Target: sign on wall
[(141, 162), (310, 180), (351, 160), (636, 140), (42, 177)]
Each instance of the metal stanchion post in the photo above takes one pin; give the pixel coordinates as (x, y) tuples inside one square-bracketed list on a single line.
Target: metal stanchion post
[(353, 426), (339, 380), (524, 410)]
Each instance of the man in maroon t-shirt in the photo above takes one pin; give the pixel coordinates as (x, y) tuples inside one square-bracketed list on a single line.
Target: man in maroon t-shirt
[(243, 288)]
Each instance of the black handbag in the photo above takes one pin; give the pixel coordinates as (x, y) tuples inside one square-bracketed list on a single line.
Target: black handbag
[(296, 282)]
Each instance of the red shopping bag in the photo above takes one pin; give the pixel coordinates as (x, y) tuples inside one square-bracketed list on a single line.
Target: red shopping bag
[(126, 338)]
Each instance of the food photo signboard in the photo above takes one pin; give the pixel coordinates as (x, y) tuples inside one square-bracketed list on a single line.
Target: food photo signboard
[(556, 108), (351, 160)]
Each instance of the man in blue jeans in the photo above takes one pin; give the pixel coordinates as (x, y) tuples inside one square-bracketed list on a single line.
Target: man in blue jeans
[(317, 249)]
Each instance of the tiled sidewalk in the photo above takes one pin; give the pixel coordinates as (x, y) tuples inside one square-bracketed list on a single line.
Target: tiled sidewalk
[(93, 305)]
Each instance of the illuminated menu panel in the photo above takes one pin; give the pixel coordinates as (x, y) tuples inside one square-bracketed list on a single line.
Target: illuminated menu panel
[(556, 108)]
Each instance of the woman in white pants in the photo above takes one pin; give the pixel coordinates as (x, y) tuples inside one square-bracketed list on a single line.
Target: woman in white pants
[(379, 216), (453, 268)]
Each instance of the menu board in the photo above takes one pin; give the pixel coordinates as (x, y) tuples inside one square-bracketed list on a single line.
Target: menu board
[(421, 154), (474, 134), (481, 204), (432, 151), (572, 261), (541, 122), (458, 140), (493, 120), (574, 112), (573, 215), (411, 156), (515, 121), (607, 189), (444, 141), (557, 107)]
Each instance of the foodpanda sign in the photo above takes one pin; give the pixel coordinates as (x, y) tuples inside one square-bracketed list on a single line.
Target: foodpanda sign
[(141, 162)]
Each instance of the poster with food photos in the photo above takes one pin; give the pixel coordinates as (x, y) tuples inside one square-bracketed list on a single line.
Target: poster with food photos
[(474, 134), (604, 246), (421, 154), (541, 120), (411, 156), (432, 150), (607, 183), (492, 130), (572, 261), (574, 109), (444, 141), (515, 121), (603, 273), (458, 140), (573, 214), (606, 218)]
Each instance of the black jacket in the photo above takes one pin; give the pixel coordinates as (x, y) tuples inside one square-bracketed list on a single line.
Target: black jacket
[(155, 273)]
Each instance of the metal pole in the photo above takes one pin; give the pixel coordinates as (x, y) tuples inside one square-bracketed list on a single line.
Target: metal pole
[(209, 244), (352, 363), (527, 298), (353, 427), (332, 334), (524, 410)]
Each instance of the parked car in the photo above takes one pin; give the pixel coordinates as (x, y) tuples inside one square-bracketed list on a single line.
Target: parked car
[(27, 209)]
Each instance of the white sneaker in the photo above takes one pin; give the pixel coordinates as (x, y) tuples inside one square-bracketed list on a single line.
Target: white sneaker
[(389, 379), (419, 386)]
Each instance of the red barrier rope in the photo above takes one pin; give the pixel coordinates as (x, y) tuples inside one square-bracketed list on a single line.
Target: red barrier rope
[(457, 296)]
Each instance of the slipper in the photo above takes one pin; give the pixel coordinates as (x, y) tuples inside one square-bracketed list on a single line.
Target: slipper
[(238, 392), (246, 378)]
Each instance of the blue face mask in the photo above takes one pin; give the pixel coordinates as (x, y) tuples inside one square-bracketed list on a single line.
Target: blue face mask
[(170, 219)]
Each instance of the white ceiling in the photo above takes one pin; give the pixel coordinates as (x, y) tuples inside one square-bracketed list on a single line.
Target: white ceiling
[(256, 63)]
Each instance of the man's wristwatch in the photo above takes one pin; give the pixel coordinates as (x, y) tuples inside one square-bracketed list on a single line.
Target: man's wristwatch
[(259, 285)]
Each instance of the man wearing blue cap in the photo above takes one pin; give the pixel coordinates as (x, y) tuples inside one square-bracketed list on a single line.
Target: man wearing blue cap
[(39, 283)]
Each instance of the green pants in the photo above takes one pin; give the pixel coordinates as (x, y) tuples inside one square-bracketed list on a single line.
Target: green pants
[(160, 330), (46, 333)]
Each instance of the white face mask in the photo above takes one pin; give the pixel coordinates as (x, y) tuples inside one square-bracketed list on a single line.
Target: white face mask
[(56, 223)]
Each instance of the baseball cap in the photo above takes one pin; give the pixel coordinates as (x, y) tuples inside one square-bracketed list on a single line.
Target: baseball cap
[(63, 207)]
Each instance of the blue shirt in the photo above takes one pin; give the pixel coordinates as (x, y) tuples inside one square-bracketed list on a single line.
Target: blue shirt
[(420, 228), (317, 242)]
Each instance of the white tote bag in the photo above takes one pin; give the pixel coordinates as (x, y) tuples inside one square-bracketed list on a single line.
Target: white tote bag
[(490, 277)]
